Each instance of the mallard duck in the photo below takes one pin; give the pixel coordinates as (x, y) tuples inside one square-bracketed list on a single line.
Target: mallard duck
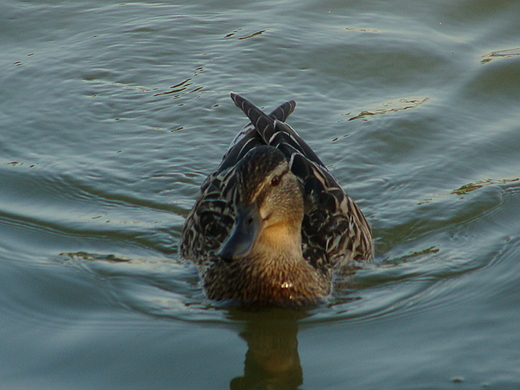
[(271, 225)]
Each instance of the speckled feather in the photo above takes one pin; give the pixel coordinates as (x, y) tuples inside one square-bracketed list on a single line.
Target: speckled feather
[(333, 231)]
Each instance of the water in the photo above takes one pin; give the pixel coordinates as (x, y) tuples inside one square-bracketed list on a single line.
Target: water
[(112, 114)]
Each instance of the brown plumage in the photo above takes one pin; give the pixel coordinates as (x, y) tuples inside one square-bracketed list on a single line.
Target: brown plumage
[(271, 224)]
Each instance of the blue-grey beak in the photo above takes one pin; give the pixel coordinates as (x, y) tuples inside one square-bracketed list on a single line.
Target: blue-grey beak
[(247, 228)]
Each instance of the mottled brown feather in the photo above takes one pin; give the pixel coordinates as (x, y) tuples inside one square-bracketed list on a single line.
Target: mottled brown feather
[(333, 230)]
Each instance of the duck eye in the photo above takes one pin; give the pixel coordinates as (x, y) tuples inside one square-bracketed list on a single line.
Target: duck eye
[(275, 180)]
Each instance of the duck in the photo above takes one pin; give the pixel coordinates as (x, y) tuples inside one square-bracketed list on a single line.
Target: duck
[(271, 226)]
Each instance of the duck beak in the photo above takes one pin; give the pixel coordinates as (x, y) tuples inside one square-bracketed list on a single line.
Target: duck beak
[(247, 228)]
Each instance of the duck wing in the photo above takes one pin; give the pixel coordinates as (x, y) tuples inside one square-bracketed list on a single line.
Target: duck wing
[(334, 229), (274, 131), (250, 137)]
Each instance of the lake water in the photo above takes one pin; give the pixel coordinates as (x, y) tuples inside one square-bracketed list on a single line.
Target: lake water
[(112, 115)]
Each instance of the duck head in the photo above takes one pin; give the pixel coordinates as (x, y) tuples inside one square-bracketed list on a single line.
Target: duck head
[(269, 206)]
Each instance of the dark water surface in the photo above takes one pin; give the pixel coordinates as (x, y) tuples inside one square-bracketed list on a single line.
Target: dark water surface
[(111, 116)]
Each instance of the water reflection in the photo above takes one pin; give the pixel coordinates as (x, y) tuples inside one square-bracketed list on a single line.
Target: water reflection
[(272, 360)]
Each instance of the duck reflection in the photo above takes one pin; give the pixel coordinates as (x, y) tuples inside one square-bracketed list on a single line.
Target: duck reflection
[(272, 360)]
